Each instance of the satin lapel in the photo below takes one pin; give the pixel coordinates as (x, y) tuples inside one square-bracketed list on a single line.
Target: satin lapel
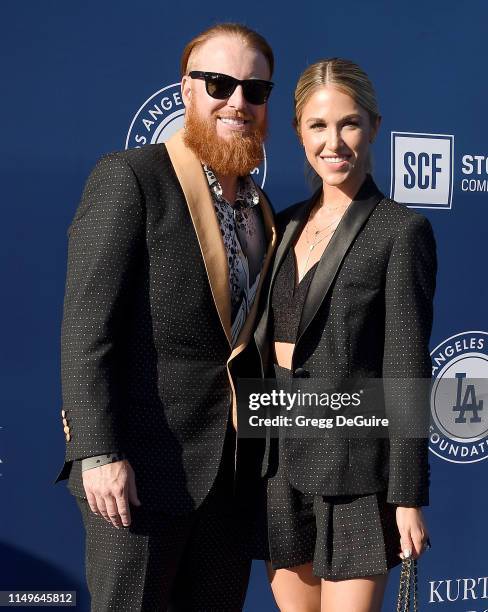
[(352, 221), (194, 184), (292, 229)]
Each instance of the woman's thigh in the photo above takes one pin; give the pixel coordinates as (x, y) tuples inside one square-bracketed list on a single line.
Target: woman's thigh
[(295, 589), (354, 595)]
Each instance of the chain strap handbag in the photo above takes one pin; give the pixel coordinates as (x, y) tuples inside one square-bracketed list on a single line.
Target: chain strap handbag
[(408, 584)]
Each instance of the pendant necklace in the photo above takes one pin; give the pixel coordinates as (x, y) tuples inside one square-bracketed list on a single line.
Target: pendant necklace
[(314, 242)]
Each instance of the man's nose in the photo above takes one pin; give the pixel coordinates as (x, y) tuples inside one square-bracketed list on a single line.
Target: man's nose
[(237, 99)]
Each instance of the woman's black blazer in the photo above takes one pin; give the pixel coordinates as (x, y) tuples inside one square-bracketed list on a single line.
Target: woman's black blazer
[(368, 313)]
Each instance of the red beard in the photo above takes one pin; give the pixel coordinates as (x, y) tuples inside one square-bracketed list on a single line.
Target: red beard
[(235, 156)]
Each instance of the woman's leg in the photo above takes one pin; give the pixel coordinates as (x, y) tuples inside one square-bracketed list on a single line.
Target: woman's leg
[(295, 589), (354, 595)]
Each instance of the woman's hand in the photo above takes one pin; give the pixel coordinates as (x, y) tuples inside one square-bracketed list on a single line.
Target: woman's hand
[(413, 532)]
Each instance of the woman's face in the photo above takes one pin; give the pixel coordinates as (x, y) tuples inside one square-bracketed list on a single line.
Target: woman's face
[(336, 133)]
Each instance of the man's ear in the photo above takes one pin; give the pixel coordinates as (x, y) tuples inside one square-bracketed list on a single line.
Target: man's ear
[(186, 90)]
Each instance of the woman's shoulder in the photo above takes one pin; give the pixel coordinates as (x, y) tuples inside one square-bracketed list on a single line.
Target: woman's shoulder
[(397, 215), (388, 213), (290, 213)]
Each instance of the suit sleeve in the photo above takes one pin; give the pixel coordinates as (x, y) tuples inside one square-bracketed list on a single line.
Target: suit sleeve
[(105, 241), (409, 294)]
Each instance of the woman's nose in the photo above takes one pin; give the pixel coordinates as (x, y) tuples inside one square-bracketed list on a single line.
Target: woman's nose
[(333, 139)]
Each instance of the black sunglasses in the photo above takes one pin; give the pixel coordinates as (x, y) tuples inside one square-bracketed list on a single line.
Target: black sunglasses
[(222, 86)]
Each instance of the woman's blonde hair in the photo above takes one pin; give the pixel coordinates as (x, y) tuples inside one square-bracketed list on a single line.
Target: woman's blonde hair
[(344, 75)]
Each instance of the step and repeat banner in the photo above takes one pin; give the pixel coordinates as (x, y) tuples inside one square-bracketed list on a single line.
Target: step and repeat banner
[(83, 79)]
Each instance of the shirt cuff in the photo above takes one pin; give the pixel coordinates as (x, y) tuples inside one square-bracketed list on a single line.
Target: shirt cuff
[(98, 460)]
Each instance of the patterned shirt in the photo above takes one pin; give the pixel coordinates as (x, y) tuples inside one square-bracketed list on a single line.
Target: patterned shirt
[(242, 229)]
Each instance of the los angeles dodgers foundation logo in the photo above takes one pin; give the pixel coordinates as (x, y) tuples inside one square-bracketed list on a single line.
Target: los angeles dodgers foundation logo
[(161, 115), (459, 424)]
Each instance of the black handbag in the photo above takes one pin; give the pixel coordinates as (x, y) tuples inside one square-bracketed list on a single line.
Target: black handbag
[(407, 593)]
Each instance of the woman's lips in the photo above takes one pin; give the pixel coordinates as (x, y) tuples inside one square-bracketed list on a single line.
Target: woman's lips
[(337, 162)]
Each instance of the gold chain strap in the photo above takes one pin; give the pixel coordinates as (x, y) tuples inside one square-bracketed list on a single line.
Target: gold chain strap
[(408, 581)]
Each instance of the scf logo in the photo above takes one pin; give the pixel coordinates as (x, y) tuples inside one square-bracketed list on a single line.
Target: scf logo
[(422, 169)]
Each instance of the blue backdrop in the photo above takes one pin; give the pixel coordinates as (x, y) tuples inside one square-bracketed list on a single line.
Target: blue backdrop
[(75, 77)]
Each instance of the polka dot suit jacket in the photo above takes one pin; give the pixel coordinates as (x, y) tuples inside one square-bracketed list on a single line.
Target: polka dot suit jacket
[(368, 313), (146, 325)]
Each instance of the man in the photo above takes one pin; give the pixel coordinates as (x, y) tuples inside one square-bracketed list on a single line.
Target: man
[(167, 255)]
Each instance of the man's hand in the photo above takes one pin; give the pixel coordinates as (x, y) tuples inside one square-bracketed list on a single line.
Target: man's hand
[(109, 489), (413, 532)]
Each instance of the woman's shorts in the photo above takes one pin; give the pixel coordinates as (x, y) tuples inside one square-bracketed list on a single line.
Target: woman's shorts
[(346, 536)]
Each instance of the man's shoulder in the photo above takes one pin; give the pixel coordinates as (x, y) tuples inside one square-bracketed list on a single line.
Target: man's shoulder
[(149, 166), (143, 158), (142, 162)]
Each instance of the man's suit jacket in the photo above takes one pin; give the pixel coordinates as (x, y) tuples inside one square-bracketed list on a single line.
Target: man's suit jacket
[(146, 351), (367, 313)]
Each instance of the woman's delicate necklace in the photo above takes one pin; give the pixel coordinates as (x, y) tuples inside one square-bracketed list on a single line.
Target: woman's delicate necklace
[(316, 242), (312, 243), (318, 231)]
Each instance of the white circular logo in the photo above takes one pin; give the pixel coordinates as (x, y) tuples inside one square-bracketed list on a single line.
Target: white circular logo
[(459, 424), (160, 116)]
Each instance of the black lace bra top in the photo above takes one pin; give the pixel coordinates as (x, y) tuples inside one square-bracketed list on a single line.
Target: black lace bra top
[(287, 299)]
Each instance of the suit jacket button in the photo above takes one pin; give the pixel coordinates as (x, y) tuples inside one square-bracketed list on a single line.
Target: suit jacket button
[(301, 373)]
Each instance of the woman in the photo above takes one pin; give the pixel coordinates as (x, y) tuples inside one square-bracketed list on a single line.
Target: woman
[(350, 295)]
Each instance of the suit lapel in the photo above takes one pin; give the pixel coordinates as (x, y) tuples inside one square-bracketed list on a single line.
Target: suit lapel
[(194, 184), (353, 220)]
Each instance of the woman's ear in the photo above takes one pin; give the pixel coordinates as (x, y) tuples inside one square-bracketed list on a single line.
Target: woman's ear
[(296, 127), (375, 129)]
